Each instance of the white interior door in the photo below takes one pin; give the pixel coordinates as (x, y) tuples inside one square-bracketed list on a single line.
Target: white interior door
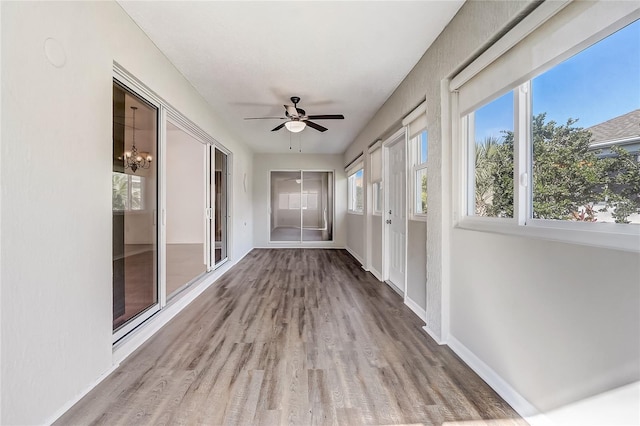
[(395, 214)]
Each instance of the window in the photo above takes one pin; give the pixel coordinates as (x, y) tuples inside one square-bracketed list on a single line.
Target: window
[(556, 147), (490, 133), (420, 154), (377, 198), (375, 155), (416, 124), (355, 191), (127, 192), (586, 138)]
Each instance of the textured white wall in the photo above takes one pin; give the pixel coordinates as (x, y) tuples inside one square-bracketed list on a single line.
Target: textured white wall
[(416, 262), (355, 236), (265, 163), (473, 27), (376, 243), (56, 193), (558, 322)]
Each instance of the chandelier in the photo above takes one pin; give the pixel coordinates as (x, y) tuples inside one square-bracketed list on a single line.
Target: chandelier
[(132, 159)]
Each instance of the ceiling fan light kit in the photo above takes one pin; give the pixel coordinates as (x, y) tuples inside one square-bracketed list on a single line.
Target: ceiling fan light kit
[(295, 126), (297, 118)]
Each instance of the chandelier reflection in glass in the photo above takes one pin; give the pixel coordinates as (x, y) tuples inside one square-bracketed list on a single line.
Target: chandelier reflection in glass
[(132, 159)]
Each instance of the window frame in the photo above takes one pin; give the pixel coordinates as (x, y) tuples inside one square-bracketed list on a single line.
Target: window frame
[(130, 196), (607, 235), (351, 189), (416, 167), (377, 197)]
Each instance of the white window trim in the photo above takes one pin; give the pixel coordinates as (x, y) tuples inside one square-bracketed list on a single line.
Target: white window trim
[(376, 146), (352, 170), (415, 192), (603, 235)]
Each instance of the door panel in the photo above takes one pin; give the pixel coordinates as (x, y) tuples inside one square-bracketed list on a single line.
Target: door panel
[(220, 207), (285, 206), (134, 205), (396, 214), (317, 209), (185, 209)]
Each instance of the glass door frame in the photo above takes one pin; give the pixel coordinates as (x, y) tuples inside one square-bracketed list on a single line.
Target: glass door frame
[(301, 240), (144, 315), (227, 185)]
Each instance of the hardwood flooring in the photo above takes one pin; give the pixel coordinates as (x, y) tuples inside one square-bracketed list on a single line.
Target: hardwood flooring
[(301, 337)]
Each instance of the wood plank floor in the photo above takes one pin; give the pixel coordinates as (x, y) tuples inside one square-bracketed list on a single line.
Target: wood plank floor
[(301, 337)]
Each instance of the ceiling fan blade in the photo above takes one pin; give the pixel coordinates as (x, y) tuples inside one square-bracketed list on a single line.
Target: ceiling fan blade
[(326, 117), (293, 112), (265, 118), (316, 126), (277, 127)]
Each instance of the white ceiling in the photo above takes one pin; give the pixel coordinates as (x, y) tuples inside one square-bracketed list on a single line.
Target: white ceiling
[(248, 58)]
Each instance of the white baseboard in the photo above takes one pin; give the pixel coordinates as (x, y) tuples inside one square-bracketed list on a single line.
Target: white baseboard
[(139, 336), (66, 407), (376, 274), (432, 334), (136, 338), (417, 309), (355, 255), (504, 389), (307, 245)]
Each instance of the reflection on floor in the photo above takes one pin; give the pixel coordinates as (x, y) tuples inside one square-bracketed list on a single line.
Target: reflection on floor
[(184, 263), (139, 289), (286, 233)]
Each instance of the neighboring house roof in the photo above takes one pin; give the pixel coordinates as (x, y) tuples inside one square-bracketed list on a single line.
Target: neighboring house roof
[(623, 129)]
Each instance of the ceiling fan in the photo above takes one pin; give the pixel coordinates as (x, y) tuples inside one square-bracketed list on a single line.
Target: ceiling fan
[(297, 118)]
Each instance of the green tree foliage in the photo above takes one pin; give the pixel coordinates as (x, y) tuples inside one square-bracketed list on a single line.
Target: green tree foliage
[(494, 177), (568, 178), (566, 175), (623, 184), (424, 194), (120, 188)]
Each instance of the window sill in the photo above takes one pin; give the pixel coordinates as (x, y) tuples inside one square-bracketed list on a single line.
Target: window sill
[(357, 213), (418, 217), (610, 238)]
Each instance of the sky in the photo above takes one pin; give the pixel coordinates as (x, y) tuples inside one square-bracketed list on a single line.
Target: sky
[(597, 84)]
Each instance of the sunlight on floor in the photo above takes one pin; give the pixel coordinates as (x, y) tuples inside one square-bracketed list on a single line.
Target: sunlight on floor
[(619, 406), (495, 422)]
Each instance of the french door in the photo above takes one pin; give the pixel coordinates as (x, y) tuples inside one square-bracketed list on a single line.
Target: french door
[(169, 207)]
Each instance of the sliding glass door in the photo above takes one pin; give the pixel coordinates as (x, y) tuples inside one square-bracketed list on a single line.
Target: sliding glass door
[(169, 217), (301, 206), (220, 208), (134, 209), (186, 209)]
